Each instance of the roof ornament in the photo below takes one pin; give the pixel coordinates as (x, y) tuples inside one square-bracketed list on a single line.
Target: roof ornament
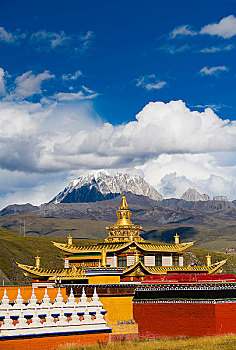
[(176, 238), (69, 240), (208, 259), (37, 261)]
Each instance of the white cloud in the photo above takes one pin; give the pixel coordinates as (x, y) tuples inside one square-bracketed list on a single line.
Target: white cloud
[(29, 84), (165, 138), (46, 40), (85, 94), (226, 28), (86, 39), (2, 83), (214, 49), (182, 31), (72, 76), (213, 70), (150, 82), (173, 174), (173, 49), (40, 139), (6, 36)]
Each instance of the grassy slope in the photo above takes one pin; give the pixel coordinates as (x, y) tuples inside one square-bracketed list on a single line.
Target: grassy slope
[(23, 250), (206, 237), (36, 225), (226, 342)]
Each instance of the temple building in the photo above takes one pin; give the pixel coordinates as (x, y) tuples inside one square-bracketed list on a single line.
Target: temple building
[(123, 256)]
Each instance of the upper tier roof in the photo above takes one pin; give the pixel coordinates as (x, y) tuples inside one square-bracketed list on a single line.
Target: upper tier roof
[(116, 247)]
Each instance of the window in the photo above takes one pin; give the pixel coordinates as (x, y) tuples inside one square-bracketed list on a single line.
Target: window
[(121, 261), (158, 260), (175, 261), (141, 258)]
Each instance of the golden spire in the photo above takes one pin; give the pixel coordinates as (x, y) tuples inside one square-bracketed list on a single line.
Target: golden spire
[(176, 239), (123, 214), (123, 203), (123, 230)]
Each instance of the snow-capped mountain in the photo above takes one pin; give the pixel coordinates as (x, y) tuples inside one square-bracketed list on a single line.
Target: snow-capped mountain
[(102, 185)]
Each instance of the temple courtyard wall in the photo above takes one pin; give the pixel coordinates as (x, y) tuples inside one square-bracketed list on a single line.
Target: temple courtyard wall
[(184, 319)]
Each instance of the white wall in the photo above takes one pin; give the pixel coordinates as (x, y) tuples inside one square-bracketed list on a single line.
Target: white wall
[(181, 261)]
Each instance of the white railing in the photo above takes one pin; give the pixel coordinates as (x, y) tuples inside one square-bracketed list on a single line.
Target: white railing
[(46, 317)]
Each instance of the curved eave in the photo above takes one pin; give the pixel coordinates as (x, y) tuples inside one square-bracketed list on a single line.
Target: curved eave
[(171, 248), (53, 273), (115, 247), (165, 269), (91, 249)]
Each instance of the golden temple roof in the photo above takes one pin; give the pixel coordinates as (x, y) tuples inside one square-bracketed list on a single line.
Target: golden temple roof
[(154, 270), (54, 273), (77, 273), (115, 247)]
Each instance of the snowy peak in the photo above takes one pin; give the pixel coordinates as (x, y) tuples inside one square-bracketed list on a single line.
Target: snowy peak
[(194, 196), (102, 186)]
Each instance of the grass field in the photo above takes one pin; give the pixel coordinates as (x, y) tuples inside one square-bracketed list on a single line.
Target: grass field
[(227, 342)]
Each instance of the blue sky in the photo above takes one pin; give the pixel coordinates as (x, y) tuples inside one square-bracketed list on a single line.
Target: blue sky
[(74, 75)]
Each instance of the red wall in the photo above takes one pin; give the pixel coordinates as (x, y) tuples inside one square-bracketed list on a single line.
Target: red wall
[(181, 319)]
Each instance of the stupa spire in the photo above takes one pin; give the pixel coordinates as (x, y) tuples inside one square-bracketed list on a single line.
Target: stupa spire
[(123, 203), (123, 230)]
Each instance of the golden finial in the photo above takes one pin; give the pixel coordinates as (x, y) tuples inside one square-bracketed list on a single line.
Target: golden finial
[(37, 261), (176, 239), (208, 259), (69, 240), (123, 203)]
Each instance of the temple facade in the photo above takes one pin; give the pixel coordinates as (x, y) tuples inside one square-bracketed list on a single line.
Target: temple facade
[(123, 256)]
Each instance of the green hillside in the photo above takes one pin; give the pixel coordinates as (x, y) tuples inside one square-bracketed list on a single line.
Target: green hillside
[(16, 248)]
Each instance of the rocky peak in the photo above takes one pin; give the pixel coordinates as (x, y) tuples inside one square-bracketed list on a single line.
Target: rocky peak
[(220, 198), (194, 196)]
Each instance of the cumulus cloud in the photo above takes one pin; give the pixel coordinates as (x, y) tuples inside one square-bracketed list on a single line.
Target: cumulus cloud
[(213, 70), (173, 174), (35, 140), (165, 138), (182, 31), (150, 82), (29, 84), (226, 28)]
